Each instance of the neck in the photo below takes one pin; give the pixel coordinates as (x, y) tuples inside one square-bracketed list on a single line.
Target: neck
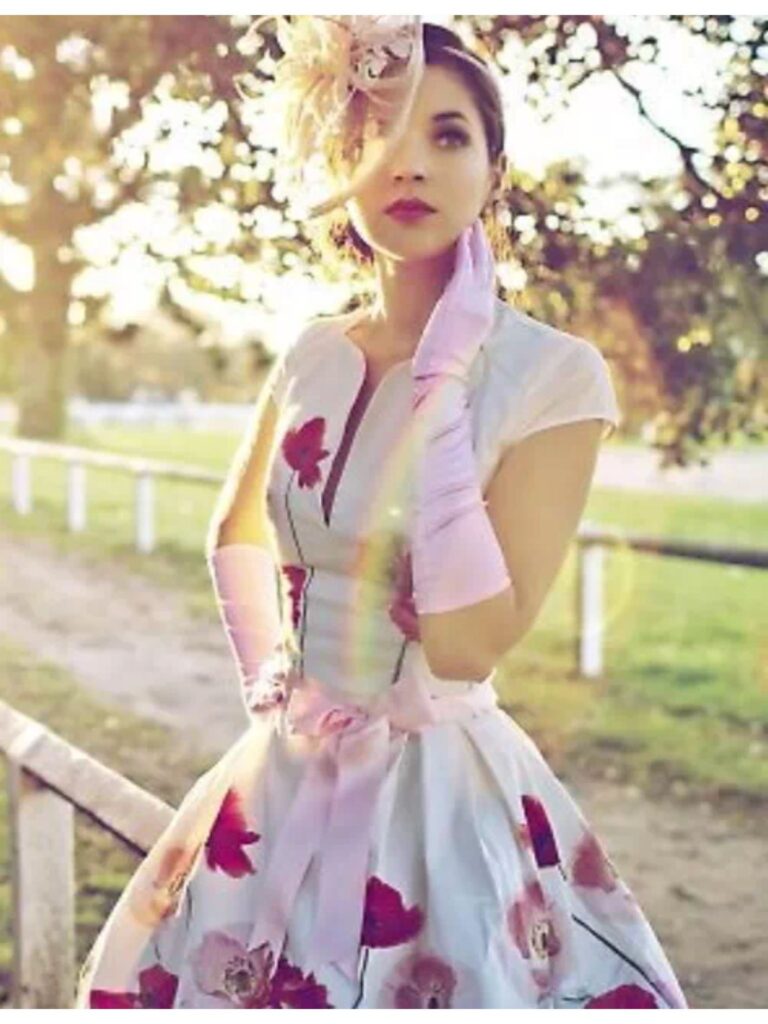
[(406, 294)]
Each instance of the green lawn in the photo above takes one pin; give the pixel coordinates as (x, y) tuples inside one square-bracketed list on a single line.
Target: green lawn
[(141, 750), (685, 686), (684, 694)]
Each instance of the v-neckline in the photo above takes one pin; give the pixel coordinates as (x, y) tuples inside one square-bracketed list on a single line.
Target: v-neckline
[(340, 328), (338, 331)]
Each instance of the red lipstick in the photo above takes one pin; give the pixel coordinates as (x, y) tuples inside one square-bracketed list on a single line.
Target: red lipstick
[(409, 209)]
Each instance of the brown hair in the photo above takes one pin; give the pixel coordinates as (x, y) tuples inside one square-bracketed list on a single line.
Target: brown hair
[(334, 236)]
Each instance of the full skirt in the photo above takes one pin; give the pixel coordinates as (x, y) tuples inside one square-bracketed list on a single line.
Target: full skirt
[(486, 887)]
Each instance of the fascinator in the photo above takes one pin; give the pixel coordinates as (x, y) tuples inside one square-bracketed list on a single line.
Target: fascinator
[(345, 87)]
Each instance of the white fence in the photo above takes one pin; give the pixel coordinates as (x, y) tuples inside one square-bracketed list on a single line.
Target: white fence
[(228, 416), (592, 541), (47, 779)]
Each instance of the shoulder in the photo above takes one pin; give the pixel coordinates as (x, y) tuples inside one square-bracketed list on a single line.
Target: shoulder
[(304, 345), (307, 333), (535, 375), (528, 352)]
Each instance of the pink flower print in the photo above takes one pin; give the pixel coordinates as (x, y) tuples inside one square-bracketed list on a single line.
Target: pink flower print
[(157, 991), (590, 867), (533, 931), (222, 966), (303, 450), (150, 900), (420, 981), (542, 836), (296, 575), (627, 997), (402, 609), (601, 887), (224, 846), (386, 920)]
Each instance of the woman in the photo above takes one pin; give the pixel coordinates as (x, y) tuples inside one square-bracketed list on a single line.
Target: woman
[(384, 834)]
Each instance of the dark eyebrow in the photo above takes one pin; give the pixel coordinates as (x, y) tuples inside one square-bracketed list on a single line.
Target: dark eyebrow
[(446, 114)]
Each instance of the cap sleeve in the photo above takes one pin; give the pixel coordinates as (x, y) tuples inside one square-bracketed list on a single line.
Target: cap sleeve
[(574, 385), (280, 374)]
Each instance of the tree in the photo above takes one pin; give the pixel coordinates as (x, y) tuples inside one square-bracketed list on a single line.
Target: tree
[(84, 101)]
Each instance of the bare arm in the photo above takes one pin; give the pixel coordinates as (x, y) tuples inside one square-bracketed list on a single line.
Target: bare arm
[(241, 514), (535, 501)]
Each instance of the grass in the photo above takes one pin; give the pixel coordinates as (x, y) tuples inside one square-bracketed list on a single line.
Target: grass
[(145, 752), (683, 651), (683, 696)]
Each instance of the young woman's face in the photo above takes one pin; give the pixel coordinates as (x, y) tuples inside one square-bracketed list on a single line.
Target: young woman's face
[(439, 159)]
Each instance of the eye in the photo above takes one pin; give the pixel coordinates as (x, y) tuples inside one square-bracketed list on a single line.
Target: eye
[(456, 133)]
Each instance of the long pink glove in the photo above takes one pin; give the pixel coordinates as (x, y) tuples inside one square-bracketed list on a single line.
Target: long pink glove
[(245, 584), (456, 557)]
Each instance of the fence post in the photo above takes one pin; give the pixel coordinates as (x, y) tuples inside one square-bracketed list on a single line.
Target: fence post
[(145, 511), (21, 488), (43, 892), (76, 501), (589, 608)]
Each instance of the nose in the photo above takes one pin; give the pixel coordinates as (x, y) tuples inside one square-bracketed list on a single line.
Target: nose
[(415, 176), (408, 161)]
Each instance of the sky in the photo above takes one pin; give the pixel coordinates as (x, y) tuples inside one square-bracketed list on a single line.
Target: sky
[(600, 128)]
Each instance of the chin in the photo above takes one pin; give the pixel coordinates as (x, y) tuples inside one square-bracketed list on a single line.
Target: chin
[(413, 241)]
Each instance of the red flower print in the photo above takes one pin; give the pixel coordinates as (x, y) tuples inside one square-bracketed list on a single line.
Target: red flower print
[(157, 991), (296, 575), (533, 932), (419, 982), (590, 867), (386, 921), (291, 988), (402, 609), (542, 836), (302, 450), (627, 997), (224, 846)]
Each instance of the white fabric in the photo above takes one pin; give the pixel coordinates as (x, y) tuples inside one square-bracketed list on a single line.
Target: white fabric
[(528, 376), (488, 887)]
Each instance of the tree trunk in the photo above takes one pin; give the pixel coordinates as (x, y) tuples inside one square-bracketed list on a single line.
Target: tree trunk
[(44, 367)]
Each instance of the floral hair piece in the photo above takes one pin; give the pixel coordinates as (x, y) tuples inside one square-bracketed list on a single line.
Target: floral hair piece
[(342, 81)]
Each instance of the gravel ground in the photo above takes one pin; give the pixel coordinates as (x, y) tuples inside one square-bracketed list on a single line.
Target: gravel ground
[(739, 475), (699, 871)]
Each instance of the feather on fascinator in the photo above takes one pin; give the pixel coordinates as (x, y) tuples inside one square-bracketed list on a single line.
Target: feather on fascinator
[(345, 85)]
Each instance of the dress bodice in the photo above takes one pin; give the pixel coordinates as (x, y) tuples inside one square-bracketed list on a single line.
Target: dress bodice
[(345, 565)]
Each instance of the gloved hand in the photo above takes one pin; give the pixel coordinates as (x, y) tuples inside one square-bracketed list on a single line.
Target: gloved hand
[(456, 557), (461, 317), (245, 583)]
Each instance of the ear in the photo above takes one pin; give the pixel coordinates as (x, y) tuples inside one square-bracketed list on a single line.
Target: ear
[(495, 178)]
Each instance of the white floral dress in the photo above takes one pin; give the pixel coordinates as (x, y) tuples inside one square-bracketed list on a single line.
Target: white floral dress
[(379, 837)]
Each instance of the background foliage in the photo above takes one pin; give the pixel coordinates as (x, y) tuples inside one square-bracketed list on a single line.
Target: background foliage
[(680, 309)]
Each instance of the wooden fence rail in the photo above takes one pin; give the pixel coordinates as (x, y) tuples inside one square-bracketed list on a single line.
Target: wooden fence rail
[(47, 779), (592, 541)]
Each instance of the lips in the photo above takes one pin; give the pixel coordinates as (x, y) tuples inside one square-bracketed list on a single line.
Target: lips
[(409, 206)]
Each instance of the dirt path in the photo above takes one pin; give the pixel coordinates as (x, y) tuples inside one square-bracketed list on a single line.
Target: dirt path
[(742, 474), (700, 875)]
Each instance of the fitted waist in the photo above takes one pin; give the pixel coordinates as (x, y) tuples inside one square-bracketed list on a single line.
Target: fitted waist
[(417, 700), (331, 813)]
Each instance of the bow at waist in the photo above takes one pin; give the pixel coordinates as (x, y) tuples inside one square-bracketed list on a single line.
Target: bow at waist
[(332, 811)]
